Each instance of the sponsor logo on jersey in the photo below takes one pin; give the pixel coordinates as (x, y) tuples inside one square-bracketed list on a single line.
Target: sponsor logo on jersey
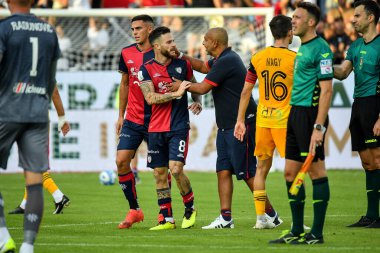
[(156, 75), (124, 135), (140, 76), (326, 66), (27, 88), (134, 71), (325, 55), (162, 87), (130, 62)]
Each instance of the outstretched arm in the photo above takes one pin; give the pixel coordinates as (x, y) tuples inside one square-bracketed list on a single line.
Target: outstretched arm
[(343, 70), (196, 64), (152, 97), (196, 107)]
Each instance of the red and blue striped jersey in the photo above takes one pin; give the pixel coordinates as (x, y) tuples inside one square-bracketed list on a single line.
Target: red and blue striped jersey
[(131, 58), (173, 115)]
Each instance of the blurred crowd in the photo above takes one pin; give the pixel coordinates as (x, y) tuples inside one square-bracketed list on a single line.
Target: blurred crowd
[(99, 49)]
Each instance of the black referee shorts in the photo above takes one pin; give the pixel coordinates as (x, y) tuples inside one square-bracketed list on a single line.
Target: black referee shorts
[(299, 130), (365, 113)]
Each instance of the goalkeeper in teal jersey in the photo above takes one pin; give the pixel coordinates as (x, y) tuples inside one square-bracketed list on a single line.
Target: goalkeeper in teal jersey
[(363, 57), (307, 123)]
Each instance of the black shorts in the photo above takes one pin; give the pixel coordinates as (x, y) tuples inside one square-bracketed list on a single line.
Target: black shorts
[(234, 155), (167, 146), (365, 113), (299, 130), (132, 135)]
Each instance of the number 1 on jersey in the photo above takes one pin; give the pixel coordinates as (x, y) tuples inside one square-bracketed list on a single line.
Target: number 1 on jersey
[(34, 41)]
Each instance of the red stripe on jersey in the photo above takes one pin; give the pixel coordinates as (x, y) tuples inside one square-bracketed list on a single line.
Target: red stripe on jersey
[(161, 117), (211, 82), (133, 58), (251, 77), (172, 115), (208, 66), (189, 74)]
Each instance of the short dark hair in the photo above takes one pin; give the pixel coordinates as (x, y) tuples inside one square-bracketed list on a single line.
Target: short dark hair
[(157, 33), (280, 26), (311, 9), (145, 18), (370, 7)]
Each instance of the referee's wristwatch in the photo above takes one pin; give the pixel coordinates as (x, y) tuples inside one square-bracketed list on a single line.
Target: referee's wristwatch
[(320, 127)]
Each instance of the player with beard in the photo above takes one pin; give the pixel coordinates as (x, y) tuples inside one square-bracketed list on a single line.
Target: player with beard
[(169, 125)]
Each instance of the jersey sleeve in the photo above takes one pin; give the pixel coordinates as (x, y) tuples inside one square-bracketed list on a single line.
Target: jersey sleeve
[(57, 53), (122, 66), (143, 75), (325, 64), (209, 63), (251, 76), (218, 72), (350, 55)]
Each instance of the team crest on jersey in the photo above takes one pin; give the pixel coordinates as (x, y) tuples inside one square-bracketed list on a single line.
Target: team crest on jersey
[(179, 70), (140, 76), (326, 66)]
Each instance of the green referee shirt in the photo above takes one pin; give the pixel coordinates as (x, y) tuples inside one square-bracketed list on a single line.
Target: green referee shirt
[(365, 58), (313, 63)]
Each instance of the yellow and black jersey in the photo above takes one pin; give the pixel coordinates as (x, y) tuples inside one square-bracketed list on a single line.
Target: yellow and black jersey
[(273, 66)]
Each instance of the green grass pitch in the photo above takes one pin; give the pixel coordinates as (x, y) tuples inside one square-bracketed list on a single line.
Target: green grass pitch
[(89, 224)]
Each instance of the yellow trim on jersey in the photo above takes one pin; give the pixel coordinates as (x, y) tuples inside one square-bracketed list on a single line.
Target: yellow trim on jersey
[(274, 69)]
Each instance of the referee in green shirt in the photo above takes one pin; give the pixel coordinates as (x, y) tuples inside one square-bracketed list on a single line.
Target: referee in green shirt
[(307, 124), (363, 57)]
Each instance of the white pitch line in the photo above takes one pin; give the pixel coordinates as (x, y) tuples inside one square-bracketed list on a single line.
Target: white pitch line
[(203, 247), (116, 222)]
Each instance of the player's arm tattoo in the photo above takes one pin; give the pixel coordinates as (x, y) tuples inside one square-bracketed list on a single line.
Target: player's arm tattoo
[(152, 97)]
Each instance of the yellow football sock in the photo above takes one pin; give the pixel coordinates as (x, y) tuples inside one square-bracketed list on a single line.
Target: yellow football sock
[(25, 194), (49, 183), (259, 197)]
